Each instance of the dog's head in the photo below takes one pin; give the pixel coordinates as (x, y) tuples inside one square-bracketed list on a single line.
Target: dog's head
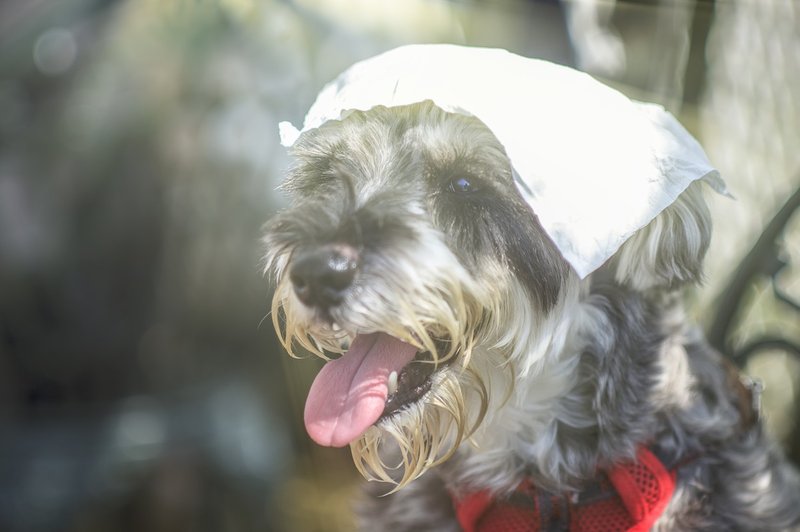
[(411, 260)]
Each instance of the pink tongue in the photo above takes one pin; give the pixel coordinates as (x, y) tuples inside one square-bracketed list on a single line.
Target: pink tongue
[(349, 393)]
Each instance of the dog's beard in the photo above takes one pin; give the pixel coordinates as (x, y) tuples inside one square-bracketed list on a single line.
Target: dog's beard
[(426, 433), (439, 309)]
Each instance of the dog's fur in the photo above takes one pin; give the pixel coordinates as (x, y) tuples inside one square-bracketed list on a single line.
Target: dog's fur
[(549, 376)]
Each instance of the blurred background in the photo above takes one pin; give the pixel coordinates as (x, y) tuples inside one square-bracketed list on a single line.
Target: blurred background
[(141, 387)]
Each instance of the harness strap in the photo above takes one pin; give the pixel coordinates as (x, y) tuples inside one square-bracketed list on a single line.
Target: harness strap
[(629, 497)]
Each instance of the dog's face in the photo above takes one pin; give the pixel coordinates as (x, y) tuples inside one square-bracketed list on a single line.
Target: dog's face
[(409, 248), (406, 222)]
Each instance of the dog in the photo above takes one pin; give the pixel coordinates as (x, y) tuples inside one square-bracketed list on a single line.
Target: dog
[(476, 375)]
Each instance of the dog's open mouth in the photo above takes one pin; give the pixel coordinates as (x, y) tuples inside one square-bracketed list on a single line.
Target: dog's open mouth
[(413, 381), (377, 377)]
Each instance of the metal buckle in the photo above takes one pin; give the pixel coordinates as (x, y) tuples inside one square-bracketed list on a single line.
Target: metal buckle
[(756, 388)]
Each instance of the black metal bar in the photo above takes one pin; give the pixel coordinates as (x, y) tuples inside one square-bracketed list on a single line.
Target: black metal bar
[(764, 344), (783, 297), (760, 259)]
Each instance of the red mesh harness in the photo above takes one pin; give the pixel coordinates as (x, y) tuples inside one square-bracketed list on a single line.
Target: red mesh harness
[(629, 497)]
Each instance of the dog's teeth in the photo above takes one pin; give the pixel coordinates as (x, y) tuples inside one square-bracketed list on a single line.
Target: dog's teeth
[(392, 382)]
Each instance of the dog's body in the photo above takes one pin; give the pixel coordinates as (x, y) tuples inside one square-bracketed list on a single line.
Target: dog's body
[(407, 230)]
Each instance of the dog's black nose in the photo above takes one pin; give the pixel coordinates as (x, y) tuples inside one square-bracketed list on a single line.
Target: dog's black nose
[(320, 276)]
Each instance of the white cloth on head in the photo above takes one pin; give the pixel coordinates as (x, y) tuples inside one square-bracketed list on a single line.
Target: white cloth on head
[(594, 165)]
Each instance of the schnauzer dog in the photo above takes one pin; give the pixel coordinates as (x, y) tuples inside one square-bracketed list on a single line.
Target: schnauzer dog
[(473, 370)]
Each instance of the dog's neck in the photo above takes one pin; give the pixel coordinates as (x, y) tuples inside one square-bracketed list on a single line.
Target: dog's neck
[(586, 401)]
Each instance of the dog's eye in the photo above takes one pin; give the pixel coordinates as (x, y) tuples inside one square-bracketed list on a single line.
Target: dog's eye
[(462, 185)]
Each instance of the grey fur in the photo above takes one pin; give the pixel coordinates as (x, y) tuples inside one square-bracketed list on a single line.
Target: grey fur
[(633, 371)]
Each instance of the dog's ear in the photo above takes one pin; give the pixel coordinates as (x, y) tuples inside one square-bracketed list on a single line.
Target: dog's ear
[(669, 251)]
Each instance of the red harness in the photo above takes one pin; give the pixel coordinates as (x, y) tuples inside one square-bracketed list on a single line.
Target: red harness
[(629, 497)]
